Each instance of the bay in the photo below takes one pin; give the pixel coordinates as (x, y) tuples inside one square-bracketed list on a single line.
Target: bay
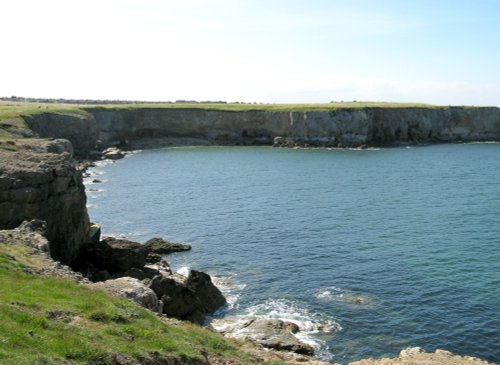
[(392, 247)]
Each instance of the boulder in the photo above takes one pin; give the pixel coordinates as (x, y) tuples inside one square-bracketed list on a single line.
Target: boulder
[(116, 255), (276, 334), (209, 295), (133, 289), (178, 300), (189, 298), (160, 246)]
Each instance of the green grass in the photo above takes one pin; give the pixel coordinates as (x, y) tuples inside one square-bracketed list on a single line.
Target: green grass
[(11, 114), (12, 111), (268, 107), (50, 320)]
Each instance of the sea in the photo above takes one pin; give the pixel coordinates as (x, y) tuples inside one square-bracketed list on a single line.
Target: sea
[(369, 251)]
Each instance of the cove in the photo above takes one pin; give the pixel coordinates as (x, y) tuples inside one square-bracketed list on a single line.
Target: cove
[(392, 247)]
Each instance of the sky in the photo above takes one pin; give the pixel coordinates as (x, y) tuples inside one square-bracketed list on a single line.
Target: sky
[(272, 51)]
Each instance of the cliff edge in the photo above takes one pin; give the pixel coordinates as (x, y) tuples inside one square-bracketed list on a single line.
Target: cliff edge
[(38, 179), (96, 128)]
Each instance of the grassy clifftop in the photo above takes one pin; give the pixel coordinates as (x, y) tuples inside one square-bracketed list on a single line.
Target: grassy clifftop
[(48, 320), (11, 112)]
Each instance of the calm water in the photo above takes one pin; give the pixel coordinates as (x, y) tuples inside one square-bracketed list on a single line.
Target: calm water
[(393, 247)]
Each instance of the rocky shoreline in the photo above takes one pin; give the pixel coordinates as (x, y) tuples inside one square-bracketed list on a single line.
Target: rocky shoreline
[(43, 201)]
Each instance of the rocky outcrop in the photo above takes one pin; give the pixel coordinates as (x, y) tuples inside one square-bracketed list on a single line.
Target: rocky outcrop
[(112, 262), (38, 179), (273, 334), (160, 246), (276, 334), (115, 255), (189, 298)]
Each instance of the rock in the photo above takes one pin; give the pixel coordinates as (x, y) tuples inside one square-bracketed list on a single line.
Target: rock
[(97, 181), (115, 255), (154, 258), (210, 296), (416, 356), (112, 153), (160, 246), (178, 300), (276, 334), (189, 298), (147, 272), (135, 273), (40, 181), (133, 289), (94, 233), (29, 234), (157, 262)]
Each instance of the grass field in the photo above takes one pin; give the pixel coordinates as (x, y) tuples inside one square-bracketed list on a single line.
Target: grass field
[(13, 110)]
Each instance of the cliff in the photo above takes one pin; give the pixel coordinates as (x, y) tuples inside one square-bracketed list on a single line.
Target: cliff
[(339, 127), (39, 180)]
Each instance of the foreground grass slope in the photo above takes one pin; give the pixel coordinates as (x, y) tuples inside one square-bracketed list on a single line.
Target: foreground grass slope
[(47, 320)]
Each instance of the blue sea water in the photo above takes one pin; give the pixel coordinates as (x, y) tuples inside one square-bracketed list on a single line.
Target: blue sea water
[(392, 247)]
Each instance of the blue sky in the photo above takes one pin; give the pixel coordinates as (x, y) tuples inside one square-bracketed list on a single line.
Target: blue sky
[(440, 52)]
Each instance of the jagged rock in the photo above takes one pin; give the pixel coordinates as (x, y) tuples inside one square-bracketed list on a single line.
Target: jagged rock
[(276, 334), (189, 297), (115, 255), (160, 246), (210, 296), (133, 289), (178, 300)]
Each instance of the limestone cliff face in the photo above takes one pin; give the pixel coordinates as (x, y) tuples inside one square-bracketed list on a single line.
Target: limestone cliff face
[(80, 129), (344, 127), (38, 180), (216, 126), (340, 127)]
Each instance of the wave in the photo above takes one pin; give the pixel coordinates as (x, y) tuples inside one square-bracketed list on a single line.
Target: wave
[(230, 288), (344, 296), (314, 327)]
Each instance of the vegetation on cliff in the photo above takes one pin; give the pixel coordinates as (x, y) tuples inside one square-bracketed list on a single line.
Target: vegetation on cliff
[(48, 320)]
